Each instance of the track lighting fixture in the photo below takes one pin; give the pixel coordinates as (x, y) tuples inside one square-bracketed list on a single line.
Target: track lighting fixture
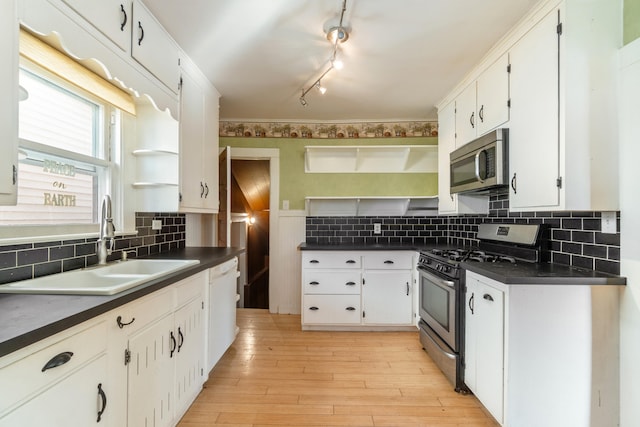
[(336, 35)]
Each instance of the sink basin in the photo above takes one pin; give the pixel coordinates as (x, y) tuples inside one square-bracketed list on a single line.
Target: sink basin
[(109, 279)]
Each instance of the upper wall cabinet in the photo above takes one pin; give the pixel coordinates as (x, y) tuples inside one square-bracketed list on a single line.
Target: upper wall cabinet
[(104, 35), (198, 142), (563, 129), (484, 104), (111, 17), (453, 204), (9, 102), (153, 48)]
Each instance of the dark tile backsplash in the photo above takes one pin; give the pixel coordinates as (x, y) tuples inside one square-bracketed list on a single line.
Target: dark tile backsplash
[(576, 237), (26, 261)]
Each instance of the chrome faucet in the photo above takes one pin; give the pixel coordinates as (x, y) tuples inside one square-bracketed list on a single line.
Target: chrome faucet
[(107, 231)]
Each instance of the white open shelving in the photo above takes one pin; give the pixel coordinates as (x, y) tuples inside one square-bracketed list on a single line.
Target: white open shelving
[(371, 159), (371, 206)]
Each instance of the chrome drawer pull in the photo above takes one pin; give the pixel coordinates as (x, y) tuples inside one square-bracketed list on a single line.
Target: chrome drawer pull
[(488, 297), (388, 261), (122, 324), (314, 261), (313, 308), (57, 360), (350, 283), (350, 261), (350, 308), (314, 283)]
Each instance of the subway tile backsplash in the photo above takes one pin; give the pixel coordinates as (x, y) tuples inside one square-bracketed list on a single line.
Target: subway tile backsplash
[(30, 260), (576, 236)]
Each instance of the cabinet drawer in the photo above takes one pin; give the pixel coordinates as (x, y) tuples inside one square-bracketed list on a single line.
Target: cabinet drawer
[(388, 261), (331, 309), (138, 314), (328, 282), (190, 288), (331, 259), (26, 376)]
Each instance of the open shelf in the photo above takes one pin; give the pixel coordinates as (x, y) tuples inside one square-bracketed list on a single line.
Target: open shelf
[(371, 159), (372, 206)]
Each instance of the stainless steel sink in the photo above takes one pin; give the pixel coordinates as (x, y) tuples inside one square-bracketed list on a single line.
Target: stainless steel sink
[(108, 279)]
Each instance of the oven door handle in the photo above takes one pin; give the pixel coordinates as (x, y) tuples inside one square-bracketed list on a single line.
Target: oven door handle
[(437, 280), (437, 344)]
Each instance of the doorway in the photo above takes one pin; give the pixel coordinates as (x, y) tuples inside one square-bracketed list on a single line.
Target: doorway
[(248, 192)]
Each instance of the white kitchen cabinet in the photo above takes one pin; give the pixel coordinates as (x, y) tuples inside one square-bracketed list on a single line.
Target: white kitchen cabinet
[(166, 367), (353, 289), (154, 48), (453, 204), (83, 394), (223, 293), (387, 297), (525, 344), (562, 133), (484, 344), (198, 142), (9, 102), (111, 17), (484, 104), (64, 374)]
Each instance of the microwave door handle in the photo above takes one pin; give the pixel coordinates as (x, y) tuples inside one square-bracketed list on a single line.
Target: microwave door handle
[(477, 163)]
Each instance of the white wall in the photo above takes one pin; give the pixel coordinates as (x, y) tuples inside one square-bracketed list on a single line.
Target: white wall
[(284, 282), (630, 234)]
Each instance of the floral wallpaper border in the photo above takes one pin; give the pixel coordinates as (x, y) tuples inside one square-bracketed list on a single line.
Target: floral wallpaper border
[(329, 130)]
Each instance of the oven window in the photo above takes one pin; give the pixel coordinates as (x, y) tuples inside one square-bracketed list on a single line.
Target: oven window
[(435, 301)]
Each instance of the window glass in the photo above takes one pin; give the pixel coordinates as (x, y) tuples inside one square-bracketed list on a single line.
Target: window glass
[(63, 165)]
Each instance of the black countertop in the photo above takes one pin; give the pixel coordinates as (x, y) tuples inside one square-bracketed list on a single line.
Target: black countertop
[(522, 273), (26, 319)]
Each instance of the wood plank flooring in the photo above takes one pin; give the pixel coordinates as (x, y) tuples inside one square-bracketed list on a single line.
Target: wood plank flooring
[(277, 375)]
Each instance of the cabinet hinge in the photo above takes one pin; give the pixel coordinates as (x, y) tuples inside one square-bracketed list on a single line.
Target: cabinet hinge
[(127, 356), (363, 280), (509, 103), (202, 305), (363, 314), (559, 29), (201, 372), (180, 84), (180, 197), (509, 68), (15, 174), (559, 182)]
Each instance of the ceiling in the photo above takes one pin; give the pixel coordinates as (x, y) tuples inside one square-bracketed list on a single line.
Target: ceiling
[(401, 58)]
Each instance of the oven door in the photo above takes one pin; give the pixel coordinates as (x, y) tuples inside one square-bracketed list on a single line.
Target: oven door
[(438, 306)]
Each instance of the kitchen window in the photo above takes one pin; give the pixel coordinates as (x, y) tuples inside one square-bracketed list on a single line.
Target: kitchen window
[(69, 147)]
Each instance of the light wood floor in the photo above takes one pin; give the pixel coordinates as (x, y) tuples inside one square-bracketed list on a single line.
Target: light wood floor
[(276, 374)]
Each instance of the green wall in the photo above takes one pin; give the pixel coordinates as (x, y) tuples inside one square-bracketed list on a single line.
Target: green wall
[(295, 184), (631, 21)]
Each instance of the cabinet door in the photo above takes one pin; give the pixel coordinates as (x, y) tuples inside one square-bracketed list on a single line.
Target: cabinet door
[(78, 400), (153, 48), (111, 17), (533, 129), (192, 186), (387, 297), (466, 118), (189, 328), (493, 96), (484, 345), (446, 144), (150, 375), (9, 102)]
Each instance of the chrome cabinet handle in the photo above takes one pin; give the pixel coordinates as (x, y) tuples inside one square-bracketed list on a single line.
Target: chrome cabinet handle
[(103, 399), (471, 304), (57, 360), (488, 297), (472, 120), (481, 114), (206, 190), (201, 189), (181, 337), (514, 183), (407, 288), (124, 17), (122, 324)]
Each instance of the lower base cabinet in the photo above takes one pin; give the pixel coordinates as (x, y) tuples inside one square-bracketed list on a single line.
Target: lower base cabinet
[(358, 289), (141, 364)]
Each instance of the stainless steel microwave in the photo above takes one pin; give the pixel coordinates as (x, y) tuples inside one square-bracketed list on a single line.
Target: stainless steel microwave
[(482, 164)]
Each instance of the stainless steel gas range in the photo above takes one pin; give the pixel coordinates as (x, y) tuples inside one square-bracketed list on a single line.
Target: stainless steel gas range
[(442, 288)]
